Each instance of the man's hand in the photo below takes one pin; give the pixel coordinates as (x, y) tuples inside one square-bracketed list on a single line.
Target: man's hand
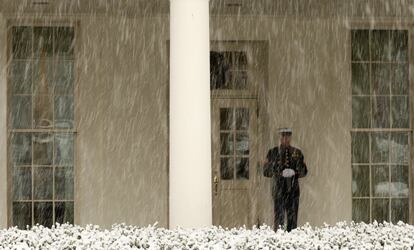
[(288, 172)]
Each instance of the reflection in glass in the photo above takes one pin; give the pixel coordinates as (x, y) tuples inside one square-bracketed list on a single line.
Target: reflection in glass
[(379, 148), (242, 168), (226, 168), (360, 210), (399, 148), (64, 111), (42, 149), (22, 183), (226, 142), (399, 181), (360, 181), (64, 149), (43, 183), (380, 210), (64, 183), (43, 213), (22, 214), (242, 118), (22, 148), (242, 143), (380, 181)]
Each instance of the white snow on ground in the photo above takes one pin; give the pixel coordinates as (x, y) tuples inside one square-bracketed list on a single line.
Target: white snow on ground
[(341, 236)]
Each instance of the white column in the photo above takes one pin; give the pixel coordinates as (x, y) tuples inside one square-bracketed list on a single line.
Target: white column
[(190, 128), (3, 125)]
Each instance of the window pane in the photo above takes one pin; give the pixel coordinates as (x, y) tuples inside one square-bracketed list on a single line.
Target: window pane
[(240, 79), (42, 113), (21, 112), (399, 210), (360, 79), (400, 112), (64, 111), (381, 79), (226, 140), (21, 77), (43, 183), (64, 149), (43, 213), (42, 149), (226, 168), (380, 210), (360, 210), (217, 70), (22, 42), (360, 45), (381, 112), (22, 148), (379, 148), (64, 183), (22, 214), (360, 147), (43, 41), (380, 181), (361, 112), (64, 212), (43, 77), (399, 50), (242, 143), (380, 46), (64, 77), (22, 183), (400, 84), (64, 41), (226, 118), (399, 181), (242, 168), (399, 148), (242, 118), (360, 181)]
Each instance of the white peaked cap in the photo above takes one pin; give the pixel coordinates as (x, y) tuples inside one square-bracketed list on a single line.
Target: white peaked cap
[(285, 130)]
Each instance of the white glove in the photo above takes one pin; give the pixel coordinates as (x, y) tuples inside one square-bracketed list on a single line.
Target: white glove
[(288, 172)]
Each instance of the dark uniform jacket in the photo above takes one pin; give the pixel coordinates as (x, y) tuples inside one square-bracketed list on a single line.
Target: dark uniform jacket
[(280, 159)]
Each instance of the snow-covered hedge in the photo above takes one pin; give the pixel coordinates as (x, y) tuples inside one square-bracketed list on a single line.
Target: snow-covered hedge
[(341, 236)]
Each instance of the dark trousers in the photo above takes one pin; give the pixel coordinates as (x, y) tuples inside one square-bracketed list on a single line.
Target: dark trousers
[(286, 203)]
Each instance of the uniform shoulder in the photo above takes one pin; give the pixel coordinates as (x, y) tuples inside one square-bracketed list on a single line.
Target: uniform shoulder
[(297, 150)]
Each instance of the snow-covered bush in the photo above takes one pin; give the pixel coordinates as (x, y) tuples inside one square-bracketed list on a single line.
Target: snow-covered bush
[(341, 236)]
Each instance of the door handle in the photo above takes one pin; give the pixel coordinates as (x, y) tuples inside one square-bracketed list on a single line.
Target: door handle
[(215, 181)]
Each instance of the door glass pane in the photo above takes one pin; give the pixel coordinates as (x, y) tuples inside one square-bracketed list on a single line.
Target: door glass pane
[(226, 142), (43, 112), (64, 149), (42, 149), (226, 168), (43, 41), (64, 183), (360, 210), (64, 41), (22, 148), (360, 147), (43, 213), (380, 47), (380, 181), (22, 42), (43, 77), (64, 212), (399, 181), (242, 118), (240, 79), (399, 39), (21, 112), (22, 183), (400, 84), (380, 79), (21, 77), (64, 83), (360, 181), (226, 118), (242, 168), (400, 112), (379, 148), (361, 112), (360, 45), (242, 143), (380, 210), (399, 210), (22, 214), (64, 111), (399, 148), (43, 183), (381, 112), (360, 79)]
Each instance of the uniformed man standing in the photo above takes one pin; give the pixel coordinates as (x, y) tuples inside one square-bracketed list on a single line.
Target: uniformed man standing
[(286, 165)]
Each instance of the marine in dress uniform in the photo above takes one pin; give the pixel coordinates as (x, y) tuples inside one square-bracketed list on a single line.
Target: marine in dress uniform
[(285, 164)]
